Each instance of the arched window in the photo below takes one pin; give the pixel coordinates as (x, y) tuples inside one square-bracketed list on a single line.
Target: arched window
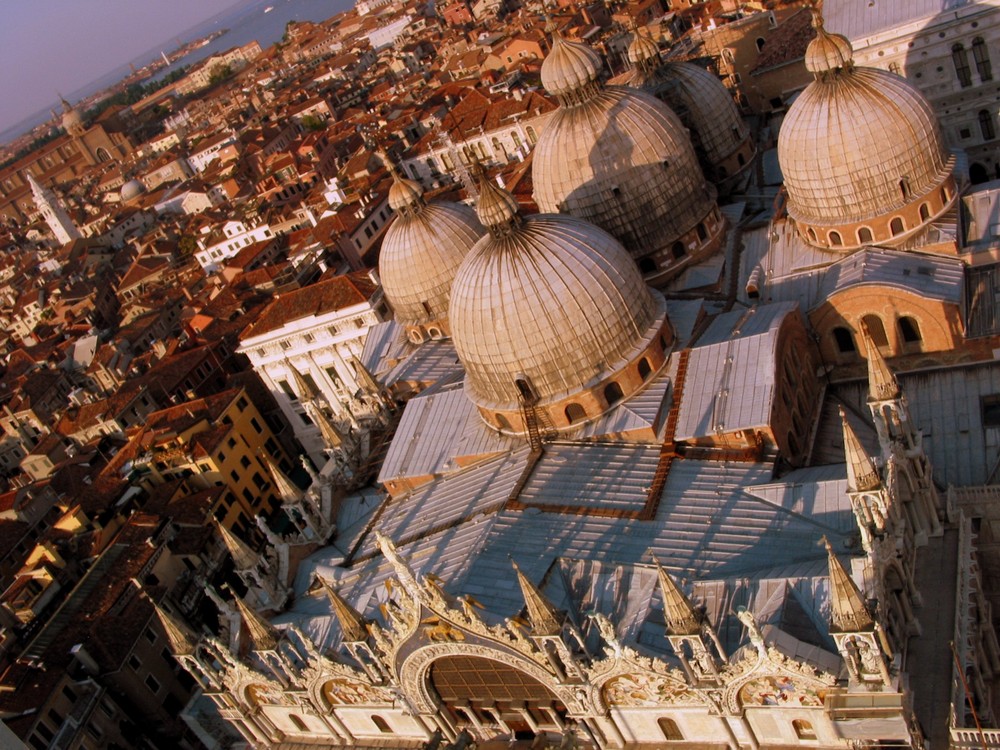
[(812, 233), (909, 331), (986, 125), (434, 333), (845, 340), (961, 60), (678, 250), (925, 212), (644, 368), (723, 173), (670, 730), (530, 132), (904, 188), (835, 239), (524, 388), (741, 159), (613, 393), (874, 328), (760, 42), (516, 137), (864, 235), (102, 154), (896, 226), (574, 413), (503, 423), (702, 232), (803, 729), (297, 721), (982, 57), (381, 723), (647, 265)]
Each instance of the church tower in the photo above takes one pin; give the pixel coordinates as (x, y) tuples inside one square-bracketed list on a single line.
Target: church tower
[(53, 212)]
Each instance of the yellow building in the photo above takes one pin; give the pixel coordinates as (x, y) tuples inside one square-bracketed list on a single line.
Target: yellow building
[(218, 441)]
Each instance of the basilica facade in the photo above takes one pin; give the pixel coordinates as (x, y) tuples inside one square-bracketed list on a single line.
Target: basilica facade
[(604, 523)]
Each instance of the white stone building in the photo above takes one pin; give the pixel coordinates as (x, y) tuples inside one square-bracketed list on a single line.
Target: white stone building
[(306, 347)]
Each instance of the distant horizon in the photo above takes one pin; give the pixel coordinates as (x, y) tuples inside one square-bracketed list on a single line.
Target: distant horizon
[(41, 49)]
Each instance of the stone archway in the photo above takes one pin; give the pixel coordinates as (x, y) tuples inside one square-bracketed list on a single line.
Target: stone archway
[(491, 698)]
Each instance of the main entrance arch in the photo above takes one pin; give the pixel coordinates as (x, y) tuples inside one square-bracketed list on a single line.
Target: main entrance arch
[(493, 698)]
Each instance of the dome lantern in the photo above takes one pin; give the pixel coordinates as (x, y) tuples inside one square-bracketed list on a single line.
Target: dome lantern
[(570, 71), (827, 53)]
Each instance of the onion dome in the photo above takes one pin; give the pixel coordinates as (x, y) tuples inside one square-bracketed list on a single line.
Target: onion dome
[(549, 310), (72, 120), (643, 50), (861, 153), (132, 190), (569, 67), (827, 52), (421, 251)]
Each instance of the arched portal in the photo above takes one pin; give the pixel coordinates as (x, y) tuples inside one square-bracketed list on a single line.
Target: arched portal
[(492, 698)]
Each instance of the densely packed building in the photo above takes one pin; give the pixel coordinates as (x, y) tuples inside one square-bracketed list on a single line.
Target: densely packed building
[(596, 375)]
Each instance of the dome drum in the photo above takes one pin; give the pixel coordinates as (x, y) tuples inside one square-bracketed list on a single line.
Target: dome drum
[(891, 228), (570, 411), (695, 245)]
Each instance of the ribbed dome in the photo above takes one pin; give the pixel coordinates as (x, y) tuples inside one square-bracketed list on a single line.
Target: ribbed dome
[(827, 52), (622, 160), (405, 194), (707, 108), (569, 66), (555, 301), (421, 251), (132, 189), (858, 145), (643, 49)]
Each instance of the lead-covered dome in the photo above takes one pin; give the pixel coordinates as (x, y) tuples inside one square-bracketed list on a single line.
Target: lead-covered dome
[(861, 153), (552, 310), (421, 251), (622, 160), (132, 190)]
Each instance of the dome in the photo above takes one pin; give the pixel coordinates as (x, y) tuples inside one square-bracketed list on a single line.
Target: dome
[(708, 110), (421, 251), (827, 52), (569, 66), (72, 121), (861, 153), (132, 190), (622, 160), (549, 303), (643, 49)]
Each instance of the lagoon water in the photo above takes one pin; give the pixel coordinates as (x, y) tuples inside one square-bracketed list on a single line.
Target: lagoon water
[(246, 22)]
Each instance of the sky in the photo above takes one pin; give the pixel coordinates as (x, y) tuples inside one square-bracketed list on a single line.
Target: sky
[(49, 46)]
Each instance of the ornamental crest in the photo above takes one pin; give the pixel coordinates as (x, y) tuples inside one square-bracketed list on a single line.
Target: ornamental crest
[(647, 690), (782, 690), (342, 691)]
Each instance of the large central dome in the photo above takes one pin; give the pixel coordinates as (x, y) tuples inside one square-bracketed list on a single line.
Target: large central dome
[(861, 153), (621, 159), (552, 310)]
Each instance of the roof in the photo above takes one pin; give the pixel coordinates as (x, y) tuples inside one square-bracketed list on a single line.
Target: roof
[(734, 360), (327, 296), (857, 19)]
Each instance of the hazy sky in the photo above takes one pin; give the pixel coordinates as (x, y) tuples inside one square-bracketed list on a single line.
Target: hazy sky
[(60, 45)]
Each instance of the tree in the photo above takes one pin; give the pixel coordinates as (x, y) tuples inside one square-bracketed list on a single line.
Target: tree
[(219, 74), (312, 122)]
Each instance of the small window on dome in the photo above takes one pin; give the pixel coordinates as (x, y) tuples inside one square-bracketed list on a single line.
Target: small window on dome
[(647, 265), (812, 234), (741, 159), (876, 330), (845, 340), (896, 226), (616, 191), (925, 212), (575, 413), (835, 239), (760, 42), (904, 188), (613, 393), (678, 250), (524, 389), (909, 330), (644, 368), (702, 232), (864, 235), (723, 174), (502, 422)]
